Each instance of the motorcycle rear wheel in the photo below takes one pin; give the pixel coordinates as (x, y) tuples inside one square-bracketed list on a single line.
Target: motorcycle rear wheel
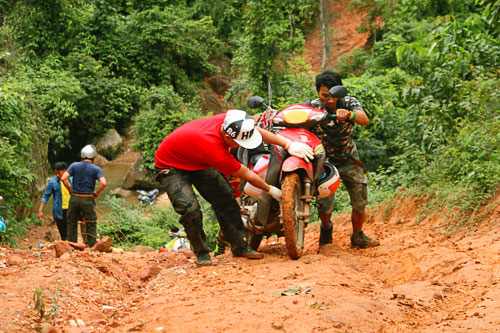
[(291, 207)]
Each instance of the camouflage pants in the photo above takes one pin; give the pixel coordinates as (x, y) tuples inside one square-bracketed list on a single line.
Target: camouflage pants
[(355, 182), (214, 188)]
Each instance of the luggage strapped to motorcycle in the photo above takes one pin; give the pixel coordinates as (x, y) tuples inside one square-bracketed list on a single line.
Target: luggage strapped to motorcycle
[(265, 120)]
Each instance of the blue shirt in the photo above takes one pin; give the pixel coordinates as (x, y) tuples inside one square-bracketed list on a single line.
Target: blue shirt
[(54, 189), (84, 176)]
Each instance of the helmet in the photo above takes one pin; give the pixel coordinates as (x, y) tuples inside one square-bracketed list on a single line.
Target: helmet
[(329, 181), (88, 151)]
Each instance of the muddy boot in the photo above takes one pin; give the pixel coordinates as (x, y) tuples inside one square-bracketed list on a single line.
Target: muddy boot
[(325, 235), (362, 241), (249, 253), (203, 259), (219, 250), (220, 244)]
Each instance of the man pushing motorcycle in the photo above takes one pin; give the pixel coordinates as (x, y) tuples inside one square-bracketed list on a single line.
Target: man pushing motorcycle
[(341, 151), (197, 154)]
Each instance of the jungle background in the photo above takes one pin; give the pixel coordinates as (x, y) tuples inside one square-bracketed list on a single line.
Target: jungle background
[(427, 76), (425, 71)]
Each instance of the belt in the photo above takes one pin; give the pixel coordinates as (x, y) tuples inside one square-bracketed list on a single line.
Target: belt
[(82, 195)]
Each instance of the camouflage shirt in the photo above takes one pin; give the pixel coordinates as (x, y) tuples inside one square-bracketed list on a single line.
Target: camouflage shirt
[(337, 136)]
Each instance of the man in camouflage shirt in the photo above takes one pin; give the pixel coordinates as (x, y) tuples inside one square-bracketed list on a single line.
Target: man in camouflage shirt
[(341, 151)]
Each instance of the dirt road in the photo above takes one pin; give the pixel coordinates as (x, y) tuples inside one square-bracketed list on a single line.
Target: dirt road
[(420, 280)]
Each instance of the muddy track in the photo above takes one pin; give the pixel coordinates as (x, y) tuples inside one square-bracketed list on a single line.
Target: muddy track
[(420, 279)]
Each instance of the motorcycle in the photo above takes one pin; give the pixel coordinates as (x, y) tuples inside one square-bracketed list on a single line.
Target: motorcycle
[(177, 240), (300, 181), (147, 197)]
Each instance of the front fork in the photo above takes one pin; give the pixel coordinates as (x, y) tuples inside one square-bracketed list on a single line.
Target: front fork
[(307, 199)]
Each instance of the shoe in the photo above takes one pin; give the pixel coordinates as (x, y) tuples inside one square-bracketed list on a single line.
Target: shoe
[(219, 251), (362, 241), (203, 259), (220, 245), (325, 235), (249, 253)]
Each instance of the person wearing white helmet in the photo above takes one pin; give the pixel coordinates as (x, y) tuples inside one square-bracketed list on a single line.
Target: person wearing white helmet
[(83, 194), (197, 154)]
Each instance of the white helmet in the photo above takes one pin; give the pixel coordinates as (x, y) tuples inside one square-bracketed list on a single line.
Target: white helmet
[(88, 152), (329, 181)]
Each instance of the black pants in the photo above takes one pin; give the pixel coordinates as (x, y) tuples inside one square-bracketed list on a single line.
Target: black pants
[(82, 206), (62, 225), (214, 188)]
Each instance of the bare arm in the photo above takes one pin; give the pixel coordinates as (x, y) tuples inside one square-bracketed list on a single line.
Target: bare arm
[(40, 211), (252, 178), (360, 119), (64, 180), (273, 138), (103, 182)]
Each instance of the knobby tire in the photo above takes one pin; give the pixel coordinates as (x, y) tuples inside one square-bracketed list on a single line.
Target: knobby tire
[(291, 205)]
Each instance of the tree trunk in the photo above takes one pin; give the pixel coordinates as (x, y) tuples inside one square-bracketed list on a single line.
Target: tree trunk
[(323, 32), (269, 91)]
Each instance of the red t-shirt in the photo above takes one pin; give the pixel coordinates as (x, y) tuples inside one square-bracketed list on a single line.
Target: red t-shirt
[(197, 145)]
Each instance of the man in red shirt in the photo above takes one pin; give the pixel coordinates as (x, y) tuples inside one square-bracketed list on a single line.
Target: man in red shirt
[(197, 154)]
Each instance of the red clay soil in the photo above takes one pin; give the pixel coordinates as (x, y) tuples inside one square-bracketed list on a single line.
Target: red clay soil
[(421, 279), (343, 36)]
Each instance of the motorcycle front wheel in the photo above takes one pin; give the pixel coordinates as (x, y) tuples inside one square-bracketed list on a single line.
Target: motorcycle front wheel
[(292, 207)]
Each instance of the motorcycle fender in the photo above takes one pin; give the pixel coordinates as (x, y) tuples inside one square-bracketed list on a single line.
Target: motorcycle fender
[(293, 163)]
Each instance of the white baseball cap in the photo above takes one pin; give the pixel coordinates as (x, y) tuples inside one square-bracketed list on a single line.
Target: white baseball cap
[(241, 128)]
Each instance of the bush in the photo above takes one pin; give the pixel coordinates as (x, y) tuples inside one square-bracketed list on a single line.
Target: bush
[(128, 225), (163, 111)]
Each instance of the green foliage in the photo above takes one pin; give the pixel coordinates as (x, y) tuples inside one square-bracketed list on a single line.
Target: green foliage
[(272, 33), (8, 49), (491, 14), (422, 9), (16, 131), (109, 102), (226, 16), (354, 63), (168, 46), (163, 111), (39, 303), (379, 97), (437, 132), (296, 85), (128, 225), (56, 93), (428, 83), (50, 27)]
